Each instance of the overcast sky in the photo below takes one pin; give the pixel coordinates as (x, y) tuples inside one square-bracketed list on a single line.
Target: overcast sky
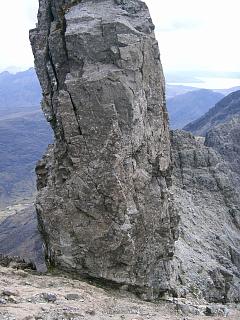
[(192, 34)]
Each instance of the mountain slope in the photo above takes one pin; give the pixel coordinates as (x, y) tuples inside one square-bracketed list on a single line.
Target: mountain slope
[(190, 106), (223, 111), (24, 135), (22, 142), (19, 92)]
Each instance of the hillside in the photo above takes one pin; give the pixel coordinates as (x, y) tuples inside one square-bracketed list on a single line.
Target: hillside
[(23, 140), (190, 106), (19, 92), (24, 135), (223, 111)]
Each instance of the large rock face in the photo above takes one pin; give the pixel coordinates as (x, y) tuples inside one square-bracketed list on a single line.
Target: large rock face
[(103, 201), (225, 138), (206, 191)]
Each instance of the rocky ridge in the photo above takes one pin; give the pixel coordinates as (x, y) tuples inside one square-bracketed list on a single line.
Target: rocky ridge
[(107, 207), (187, 107), (222, 112)]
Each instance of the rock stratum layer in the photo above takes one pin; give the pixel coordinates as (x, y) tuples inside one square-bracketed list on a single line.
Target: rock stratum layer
[(103, 201)]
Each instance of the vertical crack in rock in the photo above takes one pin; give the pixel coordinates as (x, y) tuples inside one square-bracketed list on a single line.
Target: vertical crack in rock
[(103, 199), (75, 112)]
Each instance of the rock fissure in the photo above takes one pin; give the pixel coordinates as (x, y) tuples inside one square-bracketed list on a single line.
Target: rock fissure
[(76, 113)]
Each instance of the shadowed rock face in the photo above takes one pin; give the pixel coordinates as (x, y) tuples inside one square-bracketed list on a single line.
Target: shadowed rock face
[(103, 201)]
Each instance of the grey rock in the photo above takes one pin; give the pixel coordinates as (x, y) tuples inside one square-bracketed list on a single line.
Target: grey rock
[(103, 203), (91, 312), (15, 262), (2, 301), (186, 309), (72, 296), (49, 297), (12, 299), (110, 192), (207, 197), (217, 310), (8, 292), (225, 138)]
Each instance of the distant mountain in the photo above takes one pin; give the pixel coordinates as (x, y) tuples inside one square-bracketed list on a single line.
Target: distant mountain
[(19, 92), (190, 106), (226, 92), (175, 90), (24, 135), (223, 111), (22, 142), (12, 69)]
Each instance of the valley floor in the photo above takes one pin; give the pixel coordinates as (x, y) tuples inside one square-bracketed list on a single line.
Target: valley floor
[(25, 296)]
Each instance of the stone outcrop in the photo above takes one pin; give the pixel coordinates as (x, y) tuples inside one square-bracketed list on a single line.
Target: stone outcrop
[(223, 111), (110, 191), (206, 195), (103, 201)]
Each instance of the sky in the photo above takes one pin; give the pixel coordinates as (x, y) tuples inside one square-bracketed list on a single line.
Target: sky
[(192, 34)]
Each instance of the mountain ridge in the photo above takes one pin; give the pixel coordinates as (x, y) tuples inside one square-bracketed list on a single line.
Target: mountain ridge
[(222, 111), (190, 106)]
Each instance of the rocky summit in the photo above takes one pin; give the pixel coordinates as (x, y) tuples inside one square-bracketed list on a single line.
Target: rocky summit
[(103, 202)]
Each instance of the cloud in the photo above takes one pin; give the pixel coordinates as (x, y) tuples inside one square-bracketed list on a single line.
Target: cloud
[(199, 34), (192, 34), (179, 24), (16, 18)]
